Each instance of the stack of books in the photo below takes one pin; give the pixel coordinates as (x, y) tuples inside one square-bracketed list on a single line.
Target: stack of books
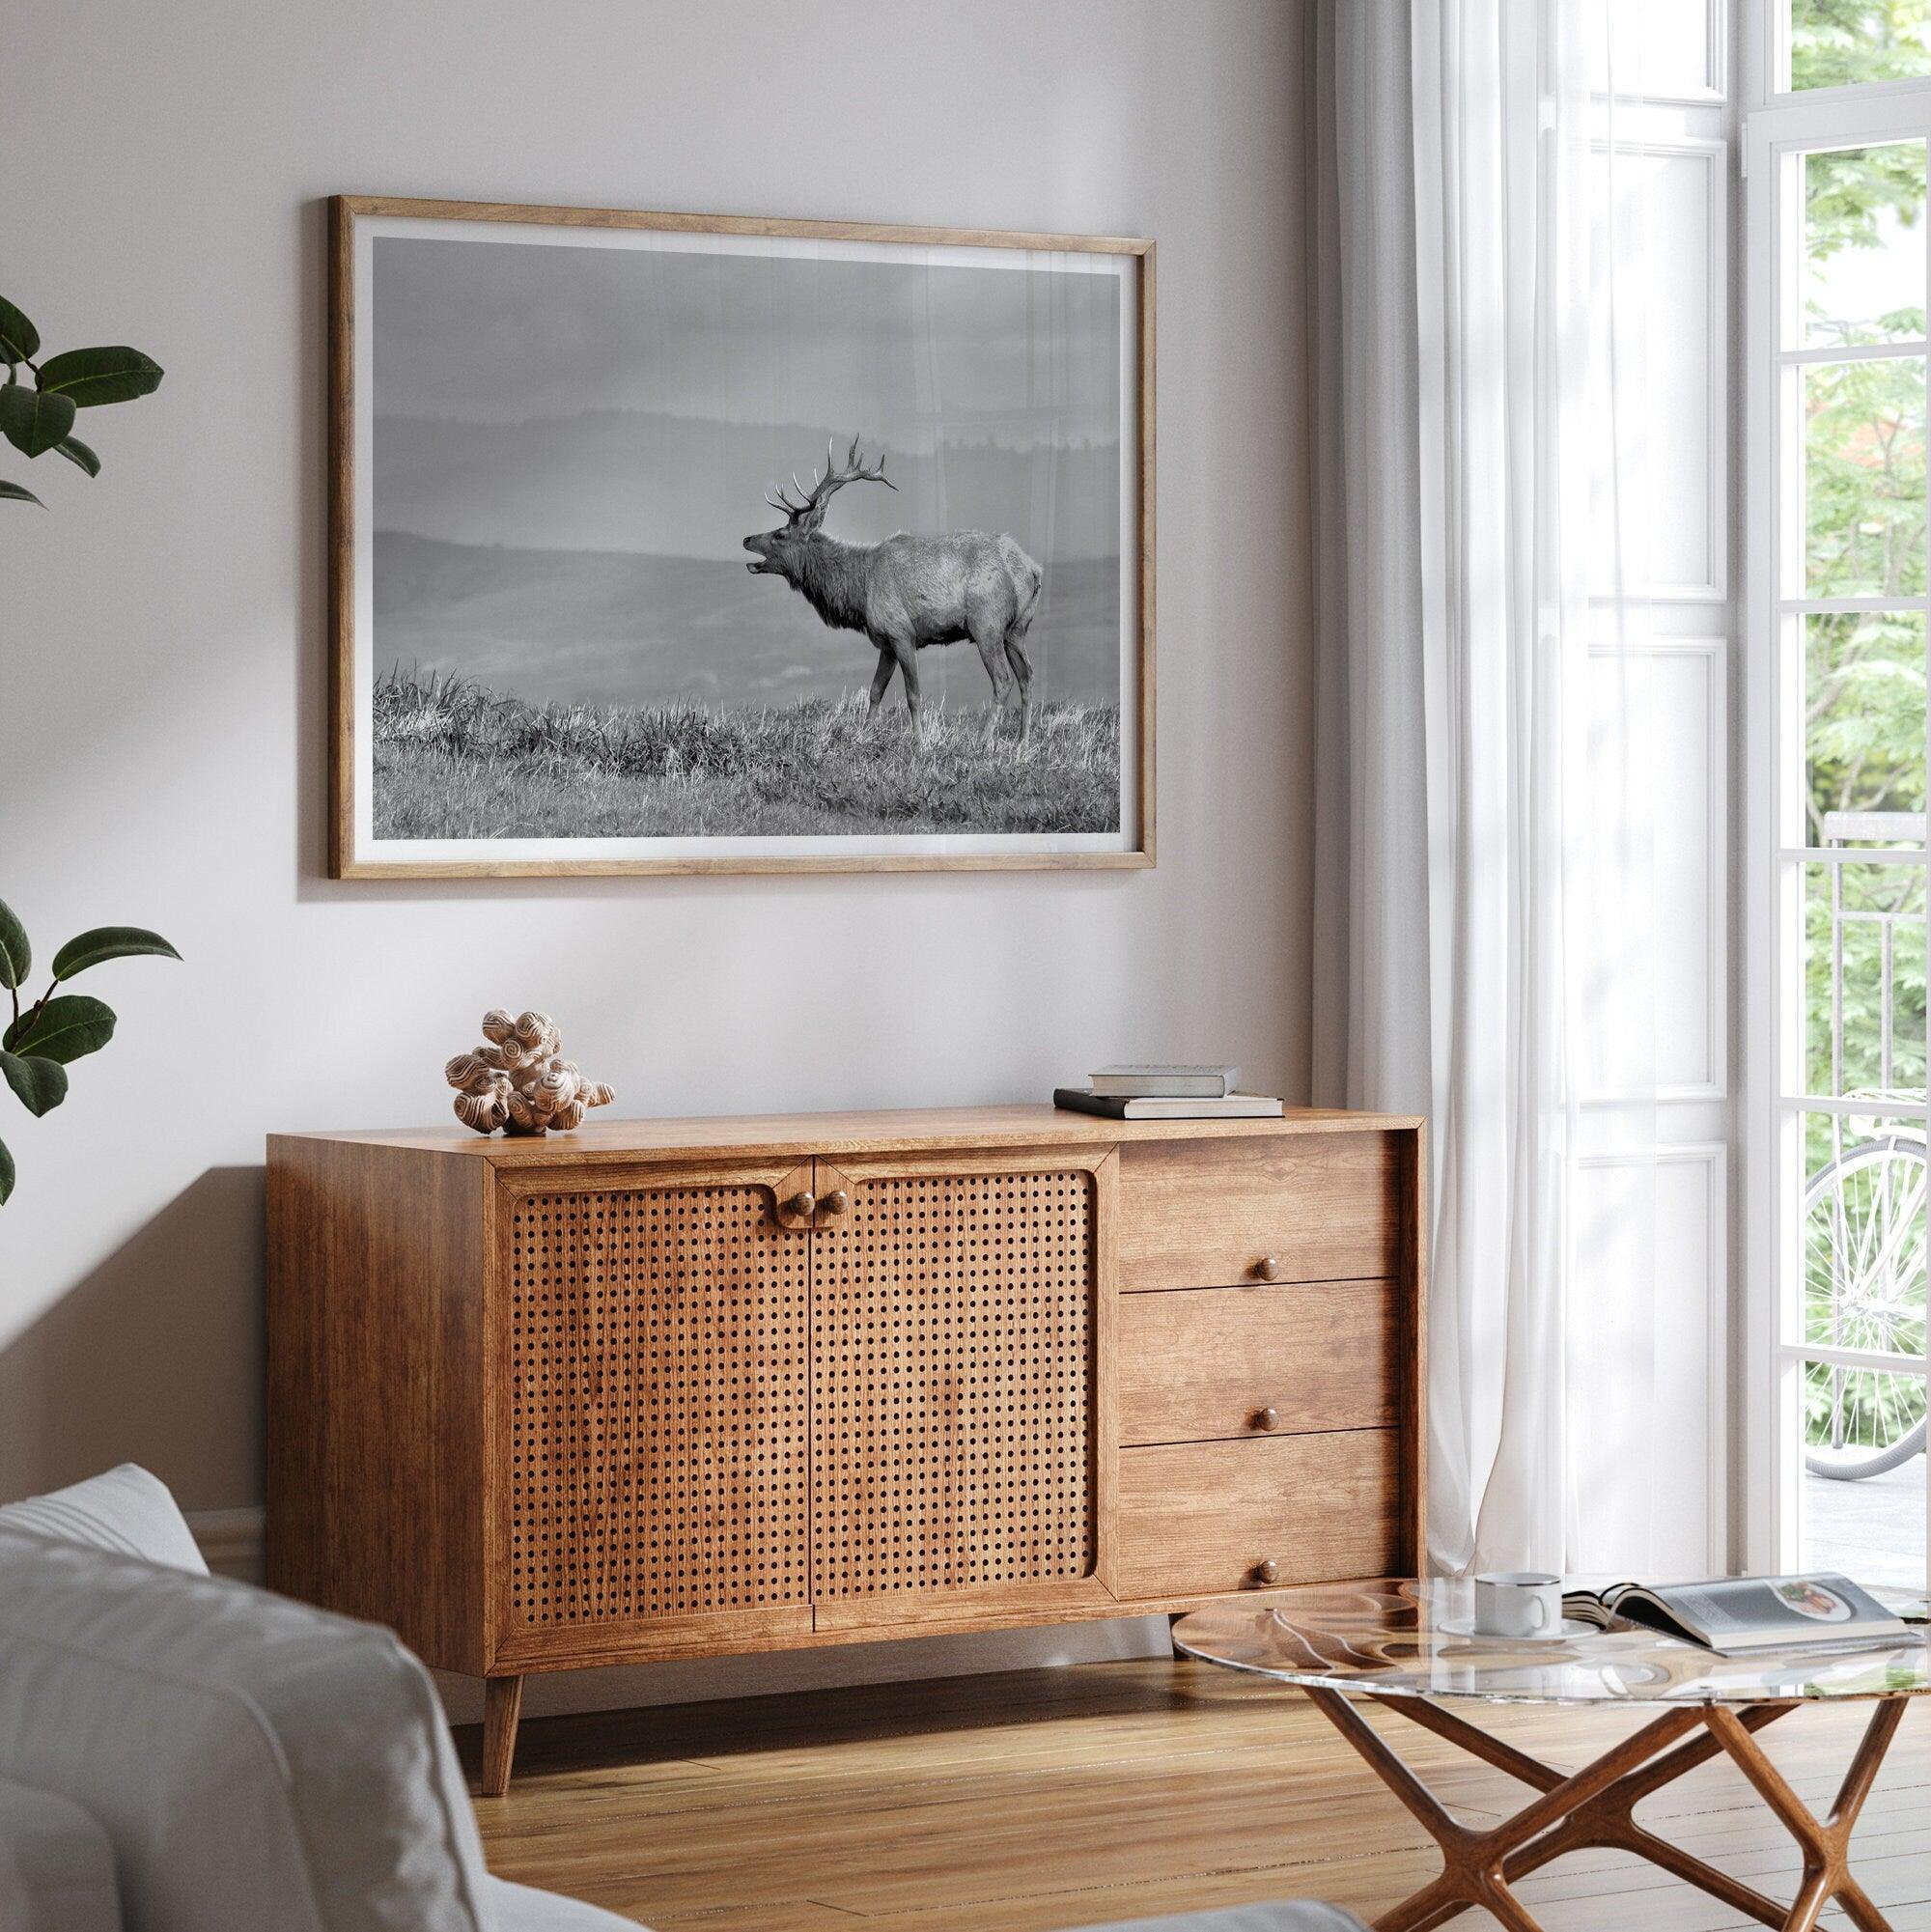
[(1166, 1093)]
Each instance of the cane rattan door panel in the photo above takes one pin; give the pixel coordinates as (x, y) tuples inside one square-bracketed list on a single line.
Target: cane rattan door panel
[(954, 1324), (659, 1355)]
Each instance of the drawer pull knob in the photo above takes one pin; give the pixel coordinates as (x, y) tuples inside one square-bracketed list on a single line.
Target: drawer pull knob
[(803, 1205), (835, 1202), (1268, 1419), (1268, 1267), (1267, 1571)]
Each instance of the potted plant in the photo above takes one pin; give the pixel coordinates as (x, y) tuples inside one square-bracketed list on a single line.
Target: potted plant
[(45, 1036)]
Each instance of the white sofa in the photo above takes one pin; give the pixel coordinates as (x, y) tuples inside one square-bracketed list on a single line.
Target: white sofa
[(179, 1752)]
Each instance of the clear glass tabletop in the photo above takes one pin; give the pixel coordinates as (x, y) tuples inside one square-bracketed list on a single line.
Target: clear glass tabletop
[(1403, 1638)]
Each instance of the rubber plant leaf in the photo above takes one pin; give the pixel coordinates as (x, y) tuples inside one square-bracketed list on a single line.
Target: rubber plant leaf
[(91, 377), (32, 420), (109, 943), (41, 1086), (16, 957), (20, 339), (63, 1030)]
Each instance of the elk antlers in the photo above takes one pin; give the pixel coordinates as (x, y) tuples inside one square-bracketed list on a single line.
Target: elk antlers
[(835, 478)]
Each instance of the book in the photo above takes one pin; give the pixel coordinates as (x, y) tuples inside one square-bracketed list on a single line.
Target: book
[(1124, 1106), (1147, 1083), (1737, 1616)]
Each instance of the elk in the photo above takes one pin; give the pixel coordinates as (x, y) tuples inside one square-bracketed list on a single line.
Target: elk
[(906, 592)]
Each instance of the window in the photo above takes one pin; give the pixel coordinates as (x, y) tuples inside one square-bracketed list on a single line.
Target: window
[(1852, 42), (1837, 274)]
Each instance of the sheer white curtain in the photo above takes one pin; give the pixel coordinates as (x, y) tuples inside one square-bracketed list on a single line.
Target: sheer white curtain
[(1482, 867)]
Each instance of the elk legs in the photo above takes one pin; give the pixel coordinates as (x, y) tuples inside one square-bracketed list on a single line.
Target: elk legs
[(882, 677), (1023, 671), (987, 642), (990, 643), (895, 653), (907, 657)]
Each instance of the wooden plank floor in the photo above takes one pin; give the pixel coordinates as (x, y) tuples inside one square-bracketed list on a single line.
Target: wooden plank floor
[(1064, 1798)]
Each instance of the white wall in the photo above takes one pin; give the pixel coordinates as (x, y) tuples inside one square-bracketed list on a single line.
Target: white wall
[(162, 661)]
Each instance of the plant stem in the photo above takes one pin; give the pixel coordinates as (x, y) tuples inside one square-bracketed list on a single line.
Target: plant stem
[(34, 1010)]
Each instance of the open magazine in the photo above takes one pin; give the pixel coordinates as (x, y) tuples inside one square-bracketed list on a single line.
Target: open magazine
[(1736, 1616)]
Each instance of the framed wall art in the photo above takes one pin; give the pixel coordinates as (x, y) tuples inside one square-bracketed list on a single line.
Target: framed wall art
[(671, 543)]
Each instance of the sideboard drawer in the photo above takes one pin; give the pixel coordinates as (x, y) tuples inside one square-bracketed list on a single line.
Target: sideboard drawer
[(1200, 1518), (1284, 1359), (1302, 1207)]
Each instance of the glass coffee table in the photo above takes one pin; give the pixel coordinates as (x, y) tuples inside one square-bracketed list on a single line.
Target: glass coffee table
[(1408, 1645)]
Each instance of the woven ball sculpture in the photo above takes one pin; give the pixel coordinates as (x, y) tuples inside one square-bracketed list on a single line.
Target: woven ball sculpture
[(518, 1080)]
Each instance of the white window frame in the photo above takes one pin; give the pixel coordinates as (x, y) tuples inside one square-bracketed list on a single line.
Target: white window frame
[(1777, 124)]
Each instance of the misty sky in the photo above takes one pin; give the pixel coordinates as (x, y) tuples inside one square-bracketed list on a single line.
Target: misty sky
[(560, 397), (502, 332)]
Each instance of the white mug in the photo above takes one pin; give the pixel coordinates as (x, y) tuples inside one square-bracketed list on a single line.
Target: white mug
[(1518, 1603)]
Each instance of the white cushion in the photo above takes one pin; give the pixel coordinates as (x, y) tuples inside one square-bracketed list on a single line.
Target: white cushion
[(56, 1865), (125, 1509), (259, 1765)]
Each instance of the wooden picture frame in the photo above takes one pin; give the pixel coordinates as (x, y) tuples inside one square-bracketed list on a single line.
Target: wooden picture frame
[(356, 848)]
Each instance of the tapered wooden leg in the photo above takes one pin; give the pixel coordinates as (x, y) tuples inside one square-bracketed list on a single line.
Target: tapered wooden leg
[(1825, 1843), (1812, 1895), (1531, 1771), (1595, 1806), (502, 1706), (1858, 1909), (1475, 1863), (1610, 1820), (1866, 1764), (1433, 1905)]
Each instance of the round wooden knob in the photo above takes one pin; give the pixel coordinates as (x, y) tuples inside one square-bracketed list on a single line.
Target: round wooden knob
[(835, 1202), (1267, 1571), (1268, 1267), (803, 1205), (1267, 1419)]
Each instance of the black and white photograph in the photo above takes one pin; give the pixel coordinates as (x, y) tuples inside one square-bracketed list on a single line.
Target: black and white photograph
[(664, 544)]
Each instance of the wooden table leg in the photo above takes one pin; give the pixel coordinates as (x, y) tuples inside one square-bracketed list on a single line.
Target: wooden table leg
[(1825, 1843), (1609, 1821), (1595, 1807), (1445, 1724), (502, 1706), (1475, 1863)]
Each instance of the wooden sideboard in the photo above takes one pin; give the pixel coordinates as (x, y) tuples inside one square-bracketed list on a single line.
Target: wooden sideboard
[(672, 1388)]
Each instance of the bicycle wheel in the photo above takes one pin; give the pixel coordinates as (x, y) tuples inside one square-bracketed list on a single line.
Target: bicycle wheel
[(1864, 1288)]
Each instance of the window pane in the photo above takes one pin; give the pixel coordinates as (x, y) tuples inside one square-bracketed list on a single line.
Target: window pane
[(1863, 979), (1854, 1416), (1863, 1262), (1863, 271), (1863, 1510), (1863, 478), (1864, 729), (1841, 43)]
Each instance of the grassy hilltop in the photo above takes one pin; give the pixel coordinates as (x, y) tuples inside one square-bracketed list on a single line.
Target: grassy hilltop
[(454, 760)]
